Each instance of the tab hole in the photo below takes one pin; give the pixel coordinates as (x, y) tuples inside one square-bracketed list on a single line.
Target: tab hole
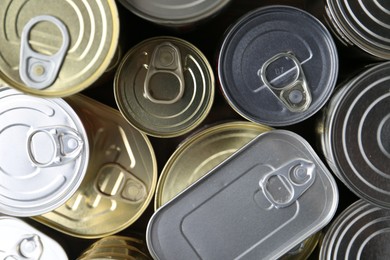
[(281, 72), (45, 37), (164, 86)]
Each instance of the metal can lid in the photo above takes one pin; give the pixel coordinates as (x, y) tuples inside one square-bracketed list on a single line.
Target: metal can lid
[(363, 23), (201, 152), (164, 86), (278, 65), (360, 232), (56, 49), (174, 13), (43, 153), (357, 134)]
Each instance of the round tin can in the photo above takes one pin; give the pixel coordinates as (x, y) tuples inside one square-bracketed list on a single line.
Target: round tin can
[(277, 65), (355, 134), (201, 152), (120, 180), (19, 240), (56, 49), (175, 14), (360, 232), (44, 153), (164, 86)]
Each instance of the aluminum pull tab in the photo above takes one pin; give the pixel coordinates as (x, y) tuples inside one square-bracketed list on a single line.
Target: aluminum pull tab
[(296, 95), (53, 146), (31, 247), (38, 70), (165, 62), (285, 185)]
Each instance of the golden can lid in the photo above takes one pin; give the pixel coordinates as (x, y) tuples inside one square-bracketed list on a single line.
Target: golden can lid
[(164, 86), (201, 152), (56, 48)]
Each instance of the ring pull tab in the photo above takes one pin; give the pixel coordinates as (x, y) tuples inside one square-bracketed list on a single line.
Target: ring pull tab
[(165, 62), (296, 95), (283, 186), (31, 247), (53, 146), (38, 70)]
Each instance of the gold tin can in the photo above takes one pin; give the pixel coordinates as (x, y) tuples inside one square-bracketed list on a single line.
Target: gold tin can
[(164, 86), (201, 152), (120, 179), (56, 48)]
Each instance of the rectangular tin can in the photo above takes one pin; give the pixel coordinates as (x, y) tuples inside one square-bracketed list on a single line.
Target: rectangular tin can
[(258, 204)]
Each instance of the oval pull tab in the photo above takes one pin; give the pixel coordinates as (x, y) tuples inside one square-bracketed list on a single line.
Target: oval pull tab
[(31, 247), (38, 70), (166, 63), (296, 95), (53, 146)]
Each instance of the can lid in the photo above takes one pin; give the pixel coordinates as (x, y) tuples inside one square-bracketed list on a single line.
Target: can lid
[(360, 134), (56, 49), (364, 23), (278, 65), (43, 153), (361, 231), (164, 86)]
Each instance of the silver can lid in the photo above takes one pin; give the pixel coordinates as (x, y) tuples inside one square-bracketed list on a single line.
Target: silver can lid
[(43, 153), (278, 65)]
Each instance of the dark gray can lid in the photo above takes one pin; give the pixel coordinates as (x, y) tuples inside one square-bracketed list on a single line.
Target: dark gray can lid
[(277, 65)]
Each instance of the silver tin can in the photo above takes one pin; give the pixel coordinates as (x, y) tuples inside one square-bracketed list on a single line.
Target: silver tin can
[(44, 153), (19, 240), (257, 204), (355, 132), (277, 65), (361, 231)]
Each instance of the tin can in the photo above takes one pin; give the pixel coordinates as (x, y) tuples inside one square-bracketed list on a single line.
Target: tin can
[(277, 65), (183, 15), (355, 131), (303, 250), (19, 240), (44, 153), (201, 152), (361, 231), (120, 179), (55, 49), (164, 86), (271, 194)]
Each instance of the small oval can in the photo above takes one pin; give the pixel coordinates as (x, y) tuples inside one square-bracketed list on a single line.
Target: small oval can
[(120, 180), (257, 204), (355, 131), (361, 231), (19, 240), (56, 48), (44, 153), (164, 86), (277, 65)]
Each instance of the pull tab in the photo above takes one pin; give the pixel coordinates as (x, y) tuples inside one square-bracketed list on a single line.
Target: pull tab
[(165, 62), (31, 247), (296, 95), (53, 146), (285, 185), (37, 70)]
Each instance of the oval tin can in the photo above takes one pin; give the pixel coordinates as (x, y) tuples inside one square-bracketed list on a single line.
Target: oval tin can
[(361, 231), (277, 65), (19, 240), (164, 86), (355, 131), (56, 48), (120, 180), (44, 153), (271, 194)]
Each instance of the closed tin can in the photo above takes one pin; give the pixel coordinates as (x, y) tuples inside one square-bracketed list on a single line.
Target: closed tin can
[(164, 86), (257, 204), (19, 240), (55, 49), (355, 132), (44, 153), (120, 179), (361, 231), (277, 65)]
